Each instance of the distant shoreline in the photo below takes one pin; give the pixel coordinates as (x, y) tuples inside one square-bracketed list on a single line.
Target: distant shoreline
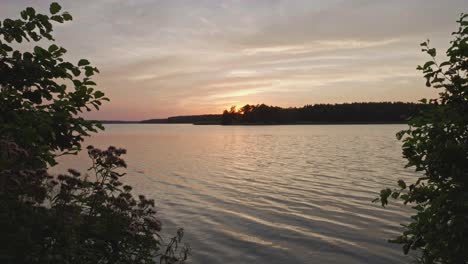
[(318, 114), (254, 124), (306, 123)]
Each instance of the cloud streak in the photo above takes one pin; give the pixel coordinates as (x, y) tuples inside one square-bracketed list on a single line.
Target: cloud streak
[(160, 58)]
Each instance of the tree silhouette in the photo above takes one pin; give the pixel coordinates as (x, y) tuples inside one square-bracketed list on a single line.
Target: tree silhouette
[(67, 218), (383, 112), (436, 145)]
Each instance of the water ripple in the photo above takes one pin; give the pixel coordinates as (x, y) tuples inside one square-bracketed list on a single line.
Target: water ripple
[(287, 194)]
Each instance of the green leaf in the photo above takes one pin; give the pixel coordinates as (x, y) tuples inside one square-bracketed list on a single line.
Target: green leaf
[(432, 52), (89, 71), (83, 62), (67, 17), (98, 94), (6, 47), (38, 50), (30, 12), (54, 8), (18, 38), (76, 71), (100, 126), (57, 18), (428, 64), (53, 48), (89, 83), (27, 56), (77, 83), (402, 184), (24, 14), (445, 63)]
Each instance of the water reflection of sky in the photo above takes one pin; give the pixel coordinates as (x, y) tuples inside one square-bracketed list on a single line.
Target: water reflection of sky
[(268, 194)]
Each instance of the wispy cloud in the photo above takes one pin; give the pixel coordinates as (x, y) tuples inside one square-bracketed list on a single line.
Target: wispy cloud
[(161, 58)]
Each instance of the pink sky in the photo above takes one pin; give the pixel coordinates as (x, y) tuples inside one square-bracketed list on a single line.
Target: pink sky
[(165, 58)]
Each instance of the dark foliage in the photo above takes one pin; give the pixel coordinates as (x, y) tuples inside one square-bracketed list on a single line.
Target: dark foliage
[(191, 119), (67, 218), (436, 146), (74, 219), (384, 112), (38, 110)]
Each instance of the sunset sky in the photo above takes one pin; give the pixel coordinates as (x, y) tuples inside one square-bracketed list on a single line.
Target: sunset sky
[(165, 58)]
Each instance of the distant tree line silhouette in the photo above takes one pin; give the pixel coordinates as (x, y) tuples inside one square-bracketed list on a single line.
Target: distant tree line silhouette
[(380, 112), (190, 119), (347, 113)]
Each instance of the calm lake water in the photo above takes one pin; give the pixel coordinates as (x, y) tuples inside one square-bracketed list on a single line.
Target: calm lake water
[(267, 194)]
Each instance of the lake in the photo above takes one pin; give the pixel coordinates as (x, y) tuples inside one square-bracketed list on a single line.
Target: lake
[(267, 194)]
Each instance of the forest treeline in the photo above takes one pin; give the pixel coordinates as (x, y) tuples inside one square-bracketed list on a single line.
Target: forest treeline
[(382, 112), (190, 119), (348, 113)]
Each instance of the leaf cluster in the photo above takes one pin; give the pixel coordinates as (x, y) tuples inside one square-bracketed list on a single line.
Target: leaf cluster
[(436, 146), (68, 218), (85, 221), (42, 94)]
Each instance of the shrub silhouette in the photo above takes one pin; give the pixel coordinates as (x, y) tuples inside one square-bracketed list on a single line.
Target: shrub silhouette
[(436, 145), (67, 218)]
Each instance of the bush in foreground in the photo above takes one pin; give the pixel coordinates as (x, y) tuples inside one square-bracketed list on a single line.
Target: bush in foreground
[(68, 218), (436, 145)]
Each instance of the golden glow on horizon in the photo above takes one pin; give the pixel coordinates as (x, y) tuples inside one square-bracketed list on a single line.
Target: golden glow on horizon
[(155, 63)]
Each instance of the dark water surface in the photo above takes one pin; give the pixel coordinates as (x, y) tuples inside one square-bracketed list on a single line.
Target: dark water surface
[(268, 194)]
